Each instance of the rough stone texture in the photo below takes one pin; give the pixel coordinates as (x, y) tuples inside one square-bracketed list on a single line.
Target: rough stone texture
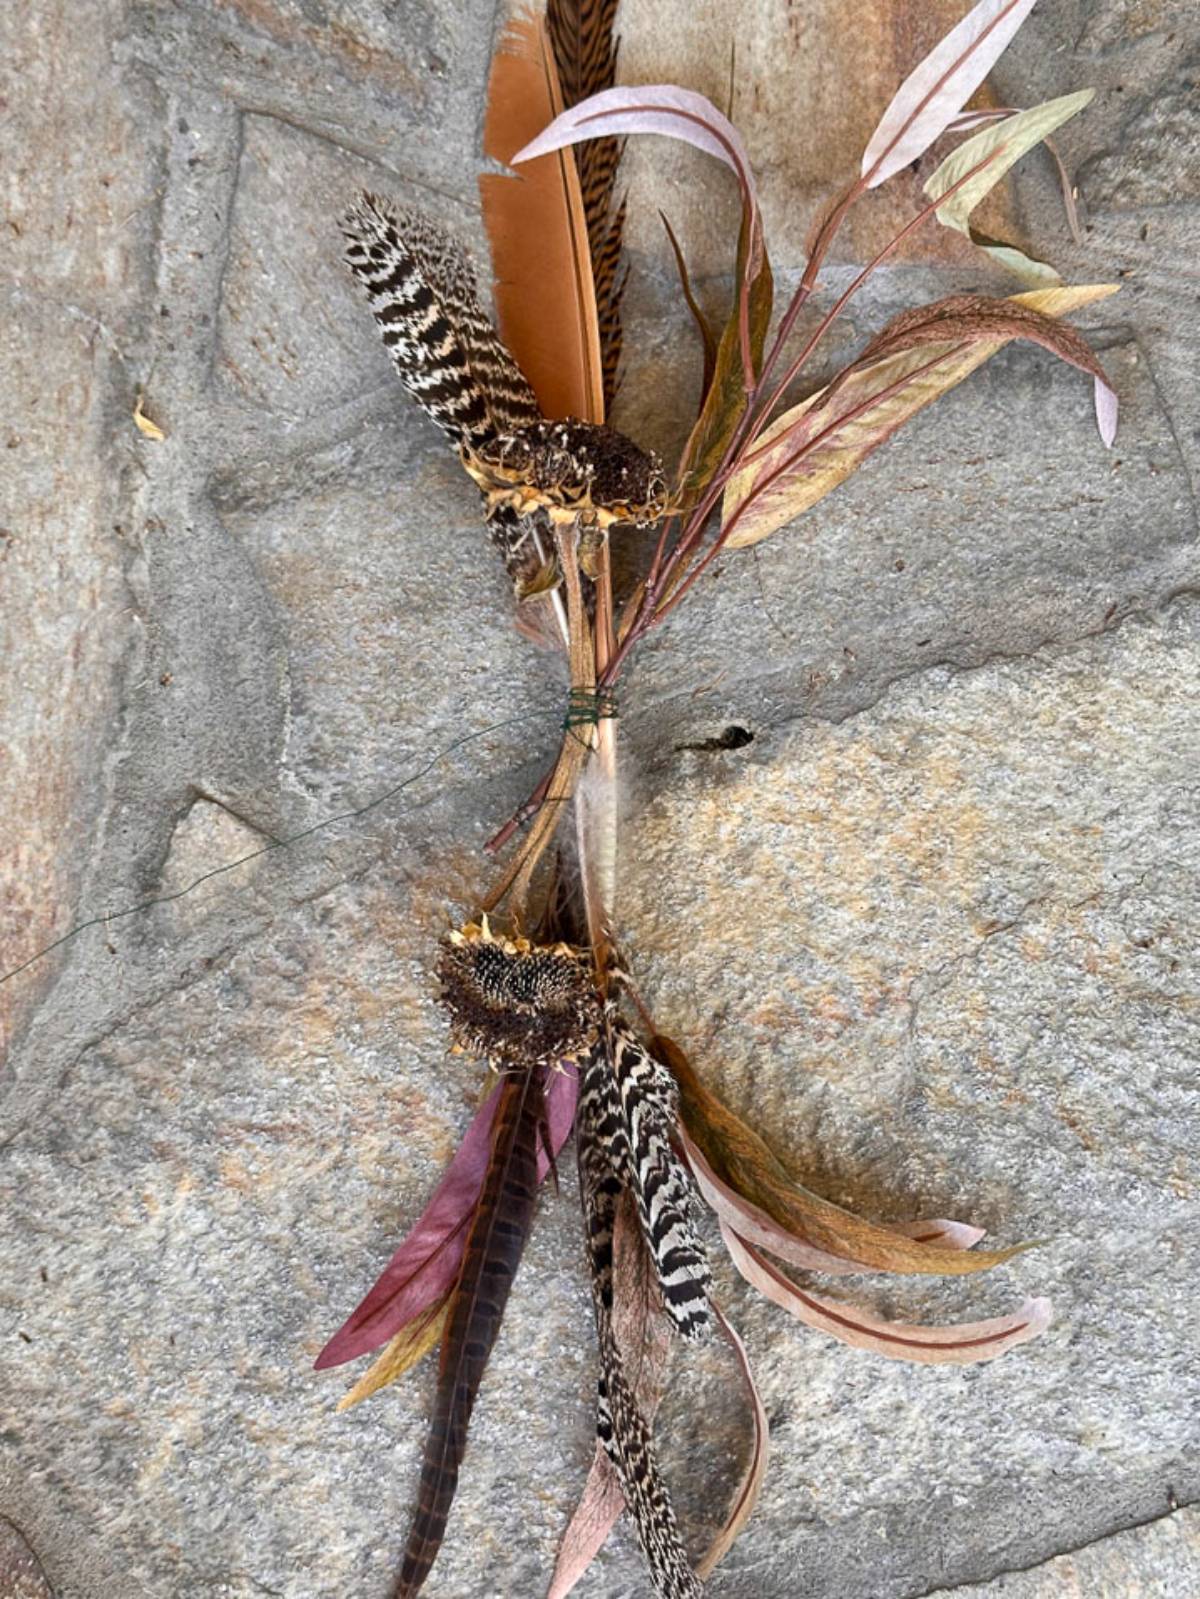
[(934, 925), (1160, 1561)]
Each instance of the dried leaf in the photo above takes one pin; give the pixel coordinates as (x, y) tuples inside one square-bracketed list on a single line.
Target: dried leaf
[(936, 91), (144, 424), (537, 226), (411, 1344), (746, 1495), (1037, 274), (740, 1158), (755, 1226), (698, 317), (1012, 139), (726, 398), (594, 1517), (959, 1345), (495, 1242), (920, 356), (427, 1263)]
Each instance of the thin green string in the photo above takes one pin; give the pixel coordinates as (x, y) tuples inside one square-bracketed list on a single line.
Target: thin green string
[(266, 849)]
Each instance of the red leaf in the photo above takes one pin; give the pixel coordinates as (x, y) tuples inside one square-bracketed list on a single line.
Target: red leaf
[(426, 1264)]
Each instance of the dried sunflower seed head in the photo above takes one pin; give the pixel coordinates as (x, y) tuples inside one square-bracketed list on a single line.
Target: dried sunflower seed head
[(569, 469), (517, 1004)]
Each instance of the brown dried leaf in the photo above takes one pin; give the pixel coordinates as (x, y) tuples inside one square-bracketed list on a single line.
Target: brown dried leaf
[(746, 1496), (754, 1226), (963, 1344), (741, 1159), (698, 317)]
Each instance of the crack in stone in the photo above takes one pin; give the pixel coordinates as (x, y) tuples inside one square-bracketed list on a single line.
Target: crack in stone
[(1174, 1508)]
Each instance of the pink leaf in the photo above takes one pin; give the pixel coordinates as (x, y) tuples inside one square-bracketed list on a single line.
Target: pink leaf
[(754, 1226), (656, 108), (427, 1262), (957, 1345), (935, 92), (1106, 412), (595, 1516)]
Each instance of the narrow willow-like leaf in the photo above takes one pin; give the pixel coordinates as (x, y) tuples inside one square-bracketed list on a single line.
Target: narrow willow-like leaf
[(742, 1160), (495, 1243), (816, 445), (755, 1226), (707, 339), (1028, 269), (1012, 138), (411, 1344), (963, 1344), (936, 91), (746, 1494), (726, 398)]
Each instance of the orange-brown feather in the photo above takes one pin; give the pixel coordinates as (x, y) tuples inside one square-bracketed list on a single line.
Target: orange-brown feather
[(536, 222)]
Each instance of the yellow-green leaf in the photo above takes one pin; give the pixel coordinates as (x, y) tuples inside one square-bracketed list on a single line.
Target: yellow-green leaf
[(1036, 274), (409, 1345), (1012, 137), (777, 485), (144, 424)]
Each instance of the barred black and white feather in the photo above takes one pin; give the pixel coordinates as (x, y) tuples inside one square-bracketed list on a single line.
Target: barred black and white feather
[(603, 1148), (648, 1101), (422, 289)]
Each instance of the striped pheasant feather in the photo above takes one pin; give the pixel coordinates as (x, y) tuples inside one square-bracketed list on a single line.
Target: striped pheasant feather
[(603, 1150), (648, 1100), (495, 1241), (585, 53), (422, 289)]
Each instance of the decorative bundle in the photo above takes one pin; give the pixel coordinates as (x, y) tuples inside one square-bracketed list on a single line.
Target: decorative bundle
[(535, 986)]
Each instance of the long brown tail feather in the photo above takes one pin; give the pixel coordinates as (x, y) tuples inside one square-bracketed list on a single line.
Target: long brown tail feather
[(495, 1242), (585, 53)]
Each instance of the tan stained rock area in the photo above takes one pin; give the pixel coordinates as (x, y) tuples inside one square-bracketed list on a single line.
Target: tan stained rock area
[(910, 862)]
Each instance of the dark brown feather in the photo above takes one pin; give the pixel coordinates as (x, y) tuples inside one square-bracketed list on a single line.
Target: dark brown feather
[(585, 53), (496, 1240)]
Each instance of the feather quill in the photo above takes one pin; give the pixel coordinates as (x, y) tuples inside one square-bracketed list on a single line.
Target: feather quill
[(496, 1240), (541, 257)]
